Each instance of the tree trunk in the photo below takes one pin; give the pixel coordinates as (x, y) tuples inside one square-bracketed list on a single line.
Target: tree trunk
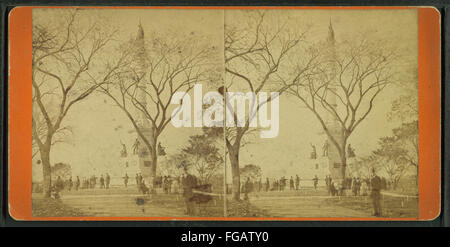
[(154, 165), (343, 155), (46, 170), (154, 162), (234, 160), (343, 165)]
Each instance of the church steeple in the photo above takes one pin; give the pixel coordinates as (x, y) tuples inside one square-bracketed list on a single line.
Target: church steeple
[(140, 34), (331, 39), (140, 59)]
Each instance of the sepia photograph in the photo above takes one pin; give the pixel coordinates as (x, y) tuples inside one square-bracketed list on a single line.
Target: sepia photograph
[(247, 113)]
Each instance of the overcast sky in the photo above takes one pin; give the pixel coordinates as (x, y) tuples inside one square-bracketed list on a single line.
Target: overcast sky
[(99, 127)]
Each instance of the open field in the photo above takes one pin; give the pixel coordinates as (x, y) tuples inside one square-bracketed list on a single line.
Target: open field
[(306, 202)]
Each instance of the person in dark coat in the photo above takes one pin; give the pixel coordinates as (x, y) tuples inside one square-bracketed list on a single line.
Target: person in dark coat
[(107, 180), (59, 185), (125, 180), (77, 183), (267, 185), (137, 180), (247, 188), (297, 182), (375, 193), (70, 184), (291, 183), (259, 185), (316, 181), (188, 182), (102, 182)]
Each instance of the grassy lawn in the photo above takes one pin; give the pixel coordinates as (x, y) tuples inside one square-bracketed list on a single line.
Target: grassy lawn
[(49, 207), (59, 208), (391, 206), (213, 208), (303, 191), (123, 202)]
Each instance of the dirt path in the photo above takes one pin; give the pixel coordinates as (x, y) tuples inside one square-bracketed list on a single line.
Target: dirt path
[(303, 206), (120, 205)]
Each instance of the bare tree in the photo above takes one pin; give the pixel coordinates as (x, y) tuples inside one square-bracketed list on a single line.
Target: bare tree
[(342, 83), (255, 51), (62, 57), (158, 67)]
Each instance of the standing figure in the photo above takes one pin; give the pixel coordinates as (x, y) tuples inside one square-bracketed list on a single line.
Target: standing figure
[(333, 190), (59, 184), (267, 185), (297, 182), (247, 188), (325, 149), (355, 187), (125, 180), (165, 184), (291, 184), (259, 185), (137, 180), (175, 185), (358, 186), (188, 182), (282, 183), (140, 178), (94, 181), (107, 180), (313, 152), (123, 152), (70, 184), (136, 146), (364, 188), (316, 181), (375, 193), (77, 183), (102, 182)]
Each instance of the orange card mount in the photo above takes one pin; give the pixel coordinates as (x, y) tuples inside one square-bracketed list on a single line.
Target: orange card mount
[(87, 142)]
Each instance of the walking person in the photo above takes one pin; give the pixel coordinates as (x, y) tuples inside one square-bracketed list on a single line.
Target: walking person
[(375, 193)]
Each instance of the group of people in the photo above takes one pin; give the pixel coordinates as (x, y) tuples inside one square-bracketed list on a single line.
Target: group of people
[(371, 186), (357, 186), (276, 185), (104, 182), (186, 183), (85, 183), (169, 184)]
